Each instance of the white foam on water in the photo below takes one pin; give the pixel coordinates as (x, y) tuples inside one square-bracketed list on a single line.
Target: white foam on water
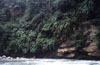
[(48, 62)]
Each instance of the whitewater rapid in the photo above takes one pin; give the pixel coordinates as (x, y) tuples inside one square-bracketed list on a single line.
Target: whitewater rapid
[(24, 61)]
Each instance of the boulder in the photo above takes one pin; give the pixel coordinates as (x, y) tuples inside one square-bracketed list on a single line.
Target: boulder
[(96, 53), (71, 55), (66, 50)]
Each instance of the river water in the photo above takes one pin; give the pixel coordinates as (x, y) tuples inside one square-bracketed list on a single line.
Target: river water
[(24, 61)]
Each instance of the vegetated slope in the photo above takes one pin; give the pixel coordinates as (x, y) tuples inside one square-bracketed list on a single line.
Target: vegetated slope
[(81, 44), (40, 26)]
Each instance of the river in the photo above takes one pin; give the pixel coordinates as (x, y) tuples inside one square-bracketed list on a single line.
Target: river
[(24, 61)]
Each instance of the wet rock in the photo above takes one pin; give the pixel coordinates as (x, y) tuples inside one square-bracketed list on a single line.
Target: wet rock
[(92, 45), (67, 50), (70, 55), (91, 48), (96, 53), (59, 54)]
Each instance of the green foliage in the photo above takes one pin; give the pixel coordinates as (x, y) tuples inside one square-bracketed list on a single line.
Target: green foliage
[(45, 43), (79, 40), (40, 27), (98, 37), (79, 43)]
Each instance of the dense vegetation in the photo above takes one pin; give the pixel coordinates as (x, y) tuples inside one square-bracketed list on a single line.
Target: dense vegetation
[(31, 26)]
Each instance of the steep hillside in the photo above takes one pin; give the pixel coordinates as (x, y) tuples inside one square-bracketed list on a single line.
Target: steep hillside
[(65, 28), (83, 43)]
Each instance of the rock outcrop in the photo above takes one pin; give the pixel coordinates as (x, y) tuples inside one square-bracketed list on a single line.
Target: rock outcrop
[(70, 50)]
